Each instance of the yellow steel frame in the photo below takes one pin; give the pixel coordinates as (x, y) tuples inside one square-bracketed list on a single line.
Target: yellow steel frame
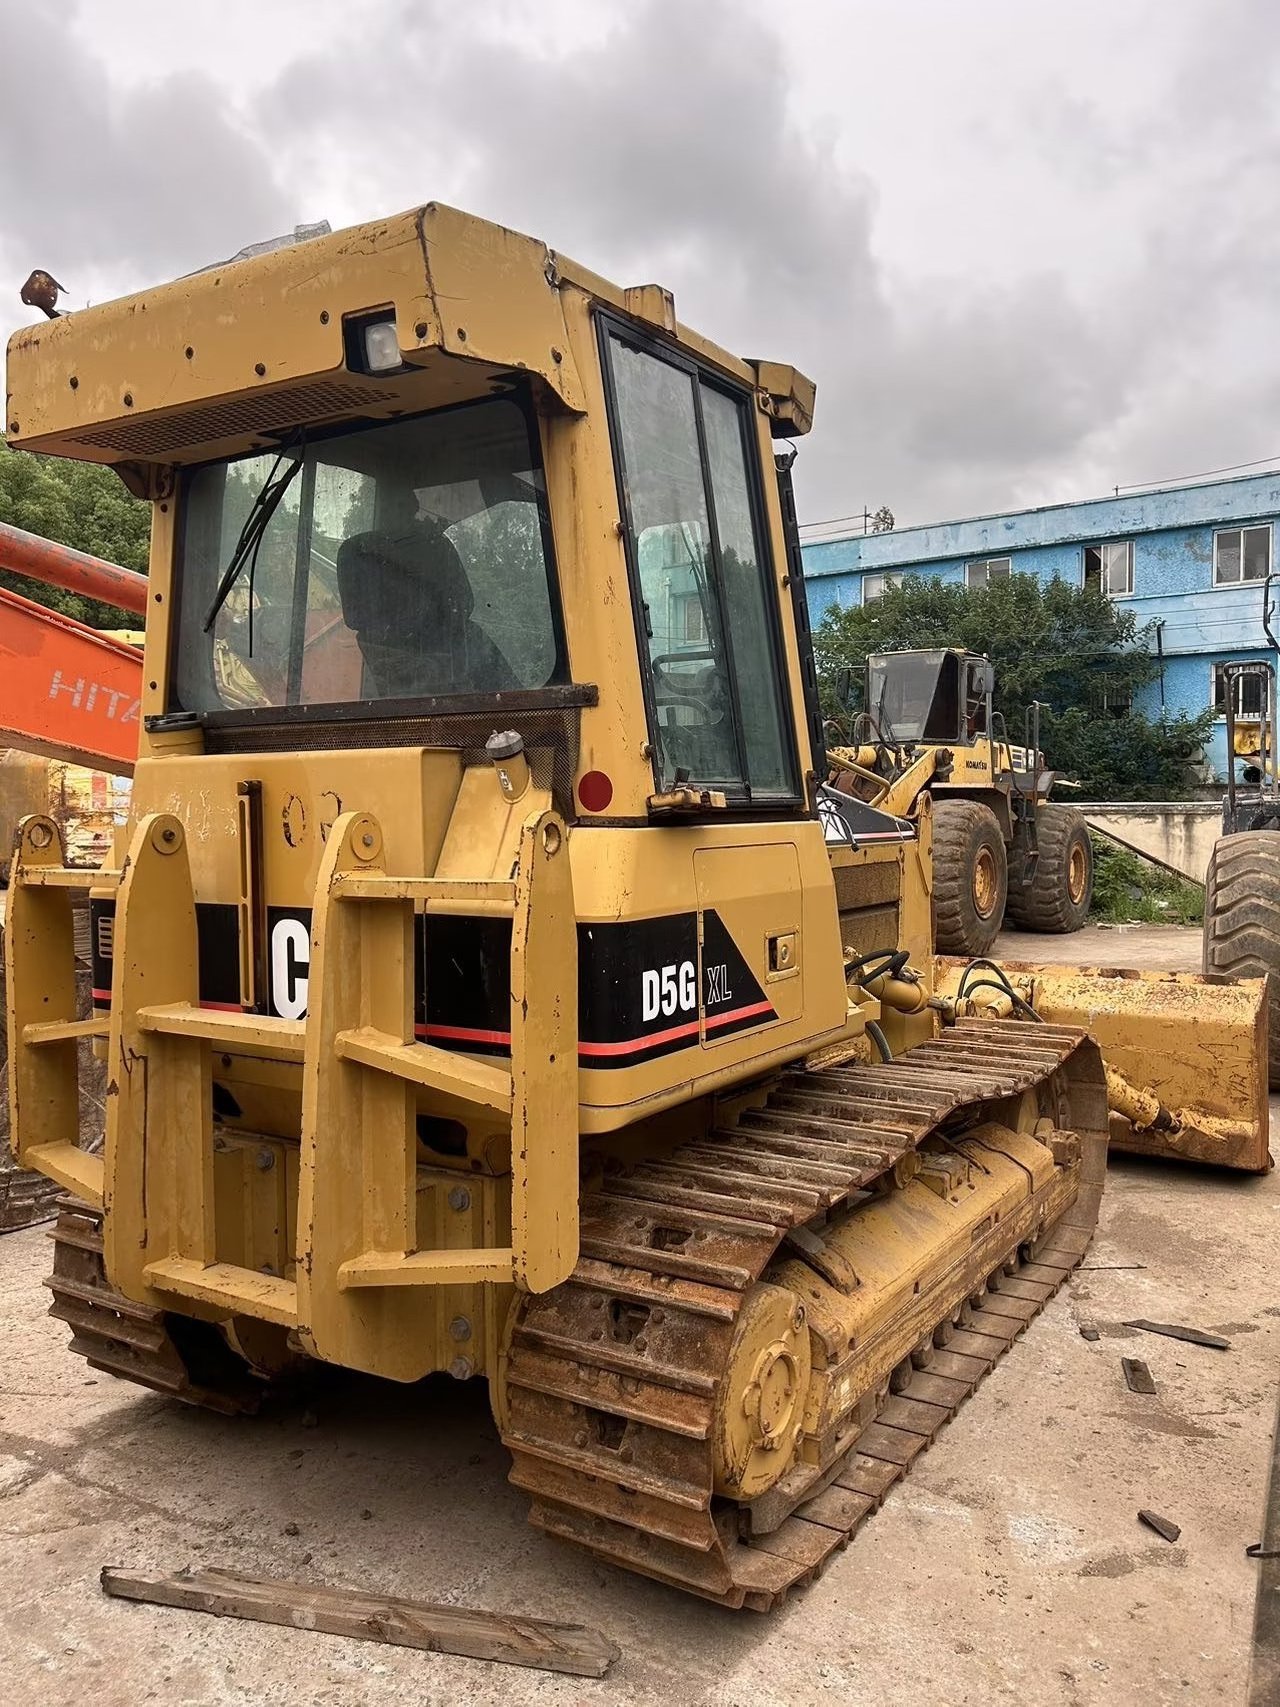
[(358, 1296)]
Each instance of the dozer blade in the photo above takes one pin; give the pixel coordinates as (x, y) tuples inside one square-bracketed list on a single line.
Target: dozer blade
[(1186, 1055)]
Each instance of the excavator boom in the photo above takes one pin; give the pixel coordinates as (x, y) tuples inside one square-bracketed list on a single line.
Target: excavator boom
[(68, 691)]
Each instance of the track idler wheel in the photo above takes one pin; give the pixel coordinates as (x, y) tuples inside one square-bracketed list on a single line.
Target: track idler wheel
[(760, 1411)]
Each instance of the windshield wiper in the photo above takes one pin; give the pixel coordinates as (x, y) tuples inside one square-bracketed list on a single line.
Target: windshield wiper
[(264, 506)]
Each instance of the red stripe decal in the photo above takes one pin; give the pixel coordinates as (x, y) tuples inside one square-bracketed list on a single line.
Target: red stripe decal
[(464, 1034), (224, 1007), (740, 1013), (627, 1046), (631, 1045), (102, 995)]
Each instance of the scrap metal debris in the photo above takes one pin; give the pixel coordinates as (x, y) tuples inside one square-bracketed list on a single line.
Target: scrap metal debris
[(1089, 1332), (1137, 1375), (1175, 1331), (1163, 1526), (571, 1648)]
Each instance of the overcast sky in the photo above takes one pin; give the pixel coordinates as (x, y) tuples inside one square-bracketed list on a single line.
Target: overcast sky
[(1026, 248)]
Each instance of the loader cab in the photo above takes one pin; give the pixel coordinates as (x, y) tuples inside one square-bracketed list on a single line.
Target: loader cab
[(935, 697)]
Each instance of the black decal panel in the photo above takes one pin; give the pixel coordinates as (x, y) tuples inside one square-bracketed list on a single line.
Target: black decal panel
[(637, 990), (733, 998), (102, 924), (218, 936), (462, 976), (218, 947), (641, 982)]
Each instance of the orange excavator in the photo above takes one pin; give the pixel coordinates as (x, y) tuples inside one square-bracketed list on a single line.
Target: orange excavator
[(67, 693)]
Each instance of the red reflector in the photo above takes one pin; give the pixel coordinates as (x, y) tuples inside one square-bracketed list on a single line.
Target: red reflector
[(595, 791)]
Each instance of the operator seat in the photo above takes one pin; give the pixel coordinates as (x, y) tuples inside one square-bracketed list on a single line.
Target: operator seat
[(408, 600)]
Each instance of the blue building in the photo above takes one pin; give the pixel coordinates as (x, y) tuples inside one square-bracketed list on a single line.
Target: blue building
[(1189, 559)]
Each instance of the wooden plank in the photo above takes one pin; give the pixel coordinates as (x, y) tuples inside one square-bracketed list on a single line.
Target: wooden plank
[(571, 1648)]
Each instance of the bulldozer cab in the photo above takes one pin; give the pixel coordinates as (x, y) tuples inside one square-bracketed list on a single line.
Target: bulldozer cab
[(476, 793), (935, 697)]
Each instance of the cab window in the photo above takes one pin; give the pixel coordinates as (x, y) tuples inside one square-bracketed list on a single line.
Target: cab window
[(392, 562), (703, 584)]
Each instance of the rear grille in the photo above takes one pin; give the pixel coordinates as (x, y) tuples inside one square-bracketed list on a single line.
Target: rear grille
[(217, 421)]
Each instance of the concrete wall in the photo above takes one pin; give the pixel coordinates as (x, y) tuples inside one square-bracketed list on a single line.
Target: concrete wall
[(1172, 532), (1178, 836)]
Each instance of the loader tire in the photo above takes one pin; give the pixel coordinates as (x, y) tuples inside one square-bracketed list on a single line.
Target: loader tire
[(1058, 897), (970, 877), (1242, 920)]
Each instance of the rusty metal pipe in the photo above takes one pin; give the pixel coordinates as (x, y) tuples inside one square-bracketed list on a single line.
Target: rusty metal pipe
[(62, 566)]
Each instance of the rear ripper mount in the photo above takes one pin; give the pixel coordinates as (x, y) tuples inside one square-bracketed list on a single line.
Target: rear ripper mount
[(742, 1308)]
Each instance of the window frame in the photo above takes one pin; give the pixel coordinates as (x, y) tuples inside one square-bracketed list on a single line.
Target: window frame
[(887, 578), (560, 692), (1101, 545), (740, 796), (1239, 713), (985, 563), (1240, 529)]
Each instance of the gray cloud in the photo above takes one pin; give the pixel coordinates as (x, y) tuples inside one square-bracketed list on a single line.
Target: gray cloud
[(1087, 298), (111, 188)]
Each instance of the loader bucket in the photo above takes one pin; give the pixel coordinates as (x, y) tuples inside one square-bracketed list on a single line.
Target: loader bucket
[(1186, 1055)]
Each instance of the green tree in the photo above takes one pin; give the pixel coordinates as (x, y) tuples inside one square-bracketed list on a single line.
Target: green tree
[(1082, 656), (81, 504)]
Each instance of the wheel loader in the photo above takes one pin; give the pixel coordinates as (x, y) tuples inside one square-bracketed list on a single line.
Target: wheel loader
[(1003, 851), (1242, 883), (488, 980)]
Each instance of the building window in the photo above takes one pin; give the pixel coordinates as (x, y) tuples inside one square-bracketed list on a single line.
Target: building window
[(1241, 554), (1109, 568), (1248, 691), (692, 620), (1117, 700), (874, 585), (986, 570)]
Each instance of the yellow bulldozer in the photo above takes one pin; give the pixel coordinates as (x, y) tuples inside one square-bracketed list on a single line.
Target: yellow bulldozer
[(489, 981), (1003, 851)]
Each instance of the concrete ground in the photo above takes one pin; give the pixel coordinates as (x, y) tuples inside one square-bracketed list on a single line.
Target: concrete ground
[(1009, 1567), (1163, 948)]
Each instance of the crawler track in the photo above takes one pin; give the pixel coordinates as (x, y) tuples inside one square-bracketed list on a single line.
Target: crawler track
[(613, 1379), (176, 1355)]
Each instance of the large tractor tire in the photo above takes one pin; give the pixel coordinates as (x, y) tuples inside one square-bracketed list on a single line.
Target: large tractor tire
[(970, 877), (1058, 896), (1242, 919)]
